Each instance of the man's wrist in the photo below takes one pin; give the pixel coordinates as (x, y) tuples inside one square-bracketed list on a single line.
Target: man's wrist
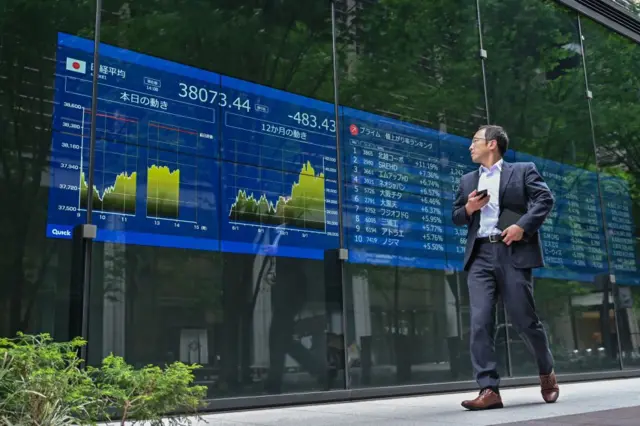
[(467, 210), (524, 228)]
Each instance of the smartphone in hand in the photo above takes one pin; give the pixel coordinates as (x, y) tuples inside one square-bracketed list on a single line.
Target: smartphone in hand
[(482, 193)]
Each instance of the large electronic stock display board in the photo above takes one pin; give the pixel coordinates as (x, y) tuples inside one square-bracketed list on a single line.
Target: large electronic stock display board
[(192, 159)]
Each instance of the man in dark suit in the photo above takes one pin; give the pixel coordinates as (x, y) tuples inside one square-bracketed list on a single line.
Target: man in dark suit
[(500, 261)]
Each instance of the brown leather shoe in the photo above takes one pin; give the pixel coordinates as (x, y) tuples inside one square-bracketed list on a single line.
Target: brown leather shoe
[(487, 400), (550, 388)]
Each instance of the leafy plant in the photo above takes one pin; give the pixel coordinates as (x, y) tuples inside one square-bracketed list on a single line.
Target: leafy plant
[(43, 383), (149, 393)]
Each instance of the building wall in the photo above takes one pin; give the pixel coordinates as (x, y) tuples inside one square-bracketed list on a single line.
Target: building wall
[(276, 313)]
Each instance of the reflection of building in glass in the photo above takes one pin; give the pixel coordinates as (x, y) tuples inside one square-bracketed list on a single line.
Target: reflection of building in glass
[(631, 5)]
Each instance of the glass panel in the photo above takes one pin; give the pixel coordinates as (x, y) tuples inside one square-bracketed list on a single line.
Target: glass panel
[(628, 307), (412, 97), (35, 143), (613, 80), (536, 87), (216, 193)]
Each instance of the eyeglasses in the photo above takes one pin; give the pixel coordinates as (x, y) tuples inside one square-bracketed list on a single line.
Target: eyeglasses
[(476, 140)]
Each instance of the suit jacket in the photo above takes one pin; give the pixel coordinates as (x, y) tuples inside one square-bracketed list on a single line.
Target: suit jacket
[(522, 190)]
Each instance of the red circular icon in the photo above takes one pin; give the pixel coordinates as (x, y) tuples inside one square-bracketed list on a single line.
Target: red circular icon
[(353, 129), (76, 65)]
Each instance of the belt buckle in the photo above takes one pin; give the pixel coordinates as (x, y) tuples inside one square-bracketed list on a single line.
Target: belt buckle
[(493, 238)]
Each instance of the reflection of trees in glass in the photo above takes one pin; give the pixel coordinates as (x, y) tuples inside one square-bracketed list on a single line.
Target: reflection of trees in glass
[(611, 65), (415, 60), (28, 31), (612, 69), (535, 78), (284, 44), (553, 298)]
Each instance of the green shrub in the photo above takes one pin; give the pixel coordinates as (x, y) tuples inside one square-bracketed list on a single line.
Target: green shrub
[(149, 393), (42, 382)]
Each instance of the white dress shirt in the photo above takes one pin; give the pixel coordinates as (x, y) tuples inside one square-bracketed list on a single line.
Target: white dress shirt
[(489, 214)]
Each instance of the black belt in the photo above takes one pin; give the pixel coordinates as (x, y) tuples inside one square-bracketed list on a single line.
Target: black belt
[(490, 239)]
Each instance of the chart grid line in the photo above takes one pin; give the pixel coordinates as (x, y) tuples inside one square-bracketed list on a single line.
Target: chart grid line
[(120, 198), (170, 172)]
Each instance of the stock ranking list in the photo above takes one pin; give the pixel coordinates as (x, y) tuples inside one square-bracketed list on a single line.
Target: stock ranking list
[(398, 212), (573, 236), (401, 182), (620, 228)]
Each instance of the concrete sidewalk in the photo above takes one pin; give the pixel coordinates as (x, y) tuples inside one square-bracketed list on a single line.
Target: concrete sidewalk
[(522, 406)]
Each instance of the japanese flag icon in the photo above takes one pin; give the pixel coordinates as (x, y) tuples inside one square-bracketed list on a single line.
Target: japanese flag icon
[(76, 65)]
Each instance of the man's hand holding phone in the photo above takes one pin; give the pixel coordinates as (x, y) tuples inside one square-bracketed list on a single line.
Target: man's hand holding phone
[(476, 201)]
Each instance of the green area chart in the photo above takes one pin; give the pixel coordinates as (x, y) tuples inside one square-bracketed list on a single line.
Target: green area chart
[(117, 198), (304, 208)]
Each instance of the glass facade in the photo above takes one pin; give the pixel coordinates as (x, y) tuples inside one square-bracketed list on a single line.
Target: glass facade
[(271, 184), (632, 6)]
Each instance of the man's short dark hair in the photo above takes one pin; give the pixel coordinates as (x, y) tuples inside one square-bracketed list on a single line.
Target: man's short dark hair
[(499, 134)]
